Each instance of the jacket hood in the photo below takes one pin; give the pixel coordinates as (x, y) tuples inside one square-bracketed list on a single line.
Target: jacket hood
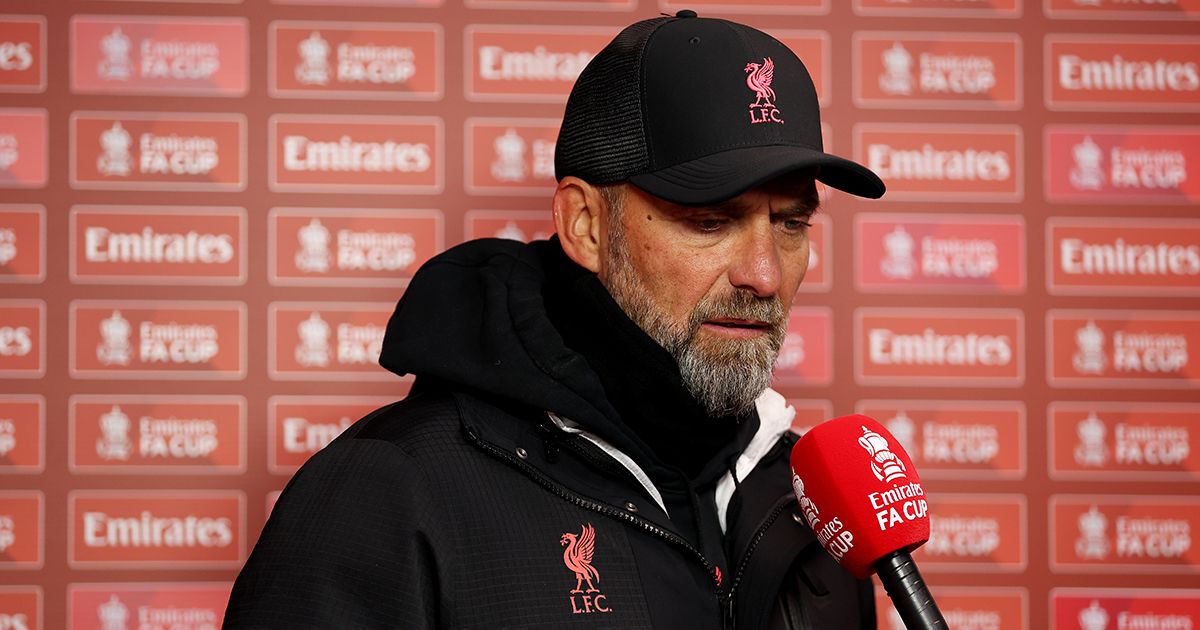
[(475, 316)]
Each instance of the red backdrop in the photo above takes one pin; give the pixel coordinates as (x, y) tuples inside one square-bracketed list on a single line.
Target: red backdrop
[(208, 209)]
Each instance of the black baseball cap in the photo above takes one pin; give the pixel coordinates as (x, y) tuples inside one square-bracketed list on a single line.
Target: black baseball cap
[(697, 111)]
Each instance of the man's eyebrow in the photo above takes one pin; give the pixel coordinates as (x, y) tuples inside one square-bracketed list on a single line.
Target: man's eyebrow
[(730, 206), (802, 207), (807, 207)]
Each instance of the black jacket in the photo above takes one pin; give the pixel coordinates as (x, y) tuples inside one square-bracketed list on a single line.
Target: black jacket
[(467, 505)]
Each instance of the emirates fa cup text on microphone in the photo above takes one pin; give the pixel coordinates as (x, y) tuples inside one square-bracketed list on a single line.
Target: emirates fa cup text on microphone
[(860, 493)]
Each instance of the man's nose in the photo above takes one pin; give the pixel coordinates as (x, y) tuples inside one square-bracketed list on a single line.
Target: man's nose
[(756, 264)]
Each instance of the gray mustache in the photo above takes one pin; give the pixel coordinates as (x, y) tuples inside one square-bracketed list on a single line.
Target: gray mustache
[(742, 304)]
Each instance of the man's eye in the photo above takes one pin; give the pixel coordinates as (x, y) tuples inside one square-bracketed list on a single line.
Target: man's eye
[(796, 225), (708, 225)]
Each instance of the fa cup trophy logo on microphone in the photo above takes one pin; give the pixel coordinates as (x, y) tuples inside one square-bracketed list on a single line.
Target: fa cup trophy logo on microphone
[(811, 513), (884, 463)]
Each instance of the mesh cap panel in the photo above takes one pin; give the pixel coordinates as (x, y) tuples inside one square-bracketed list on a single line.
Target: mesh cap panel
[(602, 139)]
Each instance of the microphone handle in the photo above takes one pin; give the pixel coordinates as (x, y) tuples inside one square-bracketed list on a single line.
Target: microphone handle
[(910, 596)]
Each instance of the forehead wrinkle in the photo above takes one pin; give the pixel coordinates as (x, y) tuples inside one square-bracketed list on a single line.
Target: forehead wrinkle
[(810, 201), (730, 206)]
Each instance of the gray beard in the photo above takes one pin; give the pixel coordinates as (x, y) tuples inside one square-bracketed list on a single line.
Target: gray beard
[(725, 376)]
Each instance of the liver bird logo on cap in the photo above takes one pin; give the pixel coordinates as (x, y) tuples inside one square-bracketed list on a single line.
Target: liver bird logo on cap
[(578, 558), (758, 79)]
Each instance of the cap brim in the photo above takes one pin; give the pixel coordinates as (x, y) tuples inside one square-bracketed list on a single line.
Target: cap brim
[(725, 175)]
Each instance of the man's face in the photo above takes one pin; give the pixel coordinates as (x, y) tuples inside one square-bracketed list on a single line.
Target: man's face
[(712, 284)]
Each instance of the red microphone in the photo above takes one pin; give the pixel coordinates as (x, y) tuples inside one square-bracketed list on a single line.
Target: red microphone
[(860, 493)]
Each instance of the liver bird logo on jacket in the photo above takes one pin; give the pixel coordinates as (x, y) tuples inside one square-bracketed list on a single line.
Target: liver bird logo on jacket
[(758, 79), (577, 555)]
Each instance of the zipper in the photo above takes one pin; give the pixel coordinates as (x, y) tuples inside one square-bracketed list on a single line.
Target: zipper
[(592, 454), (595, 506), (777, 509)]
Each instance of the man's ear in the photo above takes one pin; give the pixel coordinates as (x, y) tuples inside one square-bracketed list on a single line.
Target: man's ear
[(578, 208)]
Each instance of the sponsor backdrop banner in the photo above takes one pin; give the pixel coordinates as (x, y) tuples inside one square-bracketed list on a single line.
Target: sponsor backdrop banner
[(208, 209)]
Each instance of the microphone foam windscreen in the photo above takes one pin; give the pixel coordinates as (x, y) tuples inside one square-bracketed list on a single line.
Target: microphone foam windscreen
[(859, 491)]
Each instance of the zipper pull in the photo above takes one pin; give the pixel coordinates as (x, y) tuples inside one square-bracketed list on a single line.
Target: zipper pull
[(730, 621)]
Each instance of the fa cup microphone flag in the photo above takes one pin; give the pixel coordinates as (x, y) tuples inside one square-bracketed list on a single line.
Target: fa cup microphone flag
[(860, 493)]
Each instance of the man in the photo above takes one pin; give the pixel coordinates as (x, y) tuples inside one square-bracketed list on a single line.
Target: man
[(590, 439)]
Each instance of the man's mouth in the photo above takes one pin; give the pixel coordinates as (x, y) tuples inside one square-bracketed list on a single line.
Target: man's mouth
[(738, 323), (737, 327)]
